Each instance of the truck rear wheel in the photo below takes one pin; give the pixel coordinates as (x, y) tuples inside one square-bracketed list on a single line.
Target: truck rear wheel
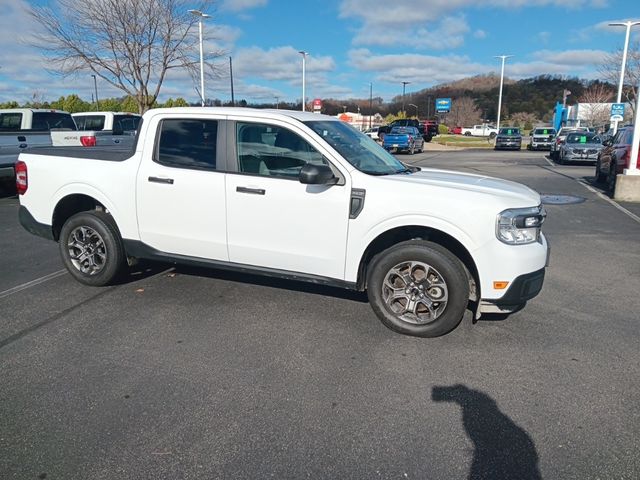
[(418, 288), (91, 248)]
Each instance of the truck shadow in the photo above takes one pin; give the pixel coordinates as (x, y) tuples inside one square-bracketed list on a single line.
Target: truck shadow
[(265, 281), (502, 449)]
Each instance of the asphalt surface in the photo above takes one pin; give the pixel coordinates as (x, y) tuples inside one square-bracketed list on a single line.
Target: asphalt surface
[(189, 374)]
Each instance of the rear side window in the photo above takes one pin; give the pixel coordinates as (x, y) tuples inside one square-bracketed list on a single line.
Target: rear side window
[(126, 123), (90, 122), (48, 120), (188, 143), (10, 121)]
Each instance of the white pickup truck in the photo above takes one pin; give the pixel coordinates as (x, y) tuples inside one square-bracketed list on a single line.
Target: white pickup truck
[(292, 195), (483, 130), (112, 128)]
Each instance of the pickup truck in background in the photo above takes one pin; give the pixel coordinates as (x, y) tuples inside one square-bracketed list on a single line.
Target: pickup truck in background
[(117, 128), (292, 195), (22, 128), (426, 129), (407, 139), (484, 130)]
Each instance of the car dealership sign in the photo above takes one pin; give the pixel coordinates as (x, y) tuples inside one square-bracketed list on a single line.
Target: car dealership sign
[(443, 105)]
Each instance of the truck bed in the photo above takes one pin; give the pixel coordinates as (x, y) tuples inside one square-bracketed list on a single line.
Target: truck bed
[(111, 154)]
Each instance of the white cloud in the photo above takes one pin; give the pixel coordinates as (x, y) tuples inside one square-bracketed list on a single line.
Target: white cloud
[(480, 34), (579, 58), (241, 5)]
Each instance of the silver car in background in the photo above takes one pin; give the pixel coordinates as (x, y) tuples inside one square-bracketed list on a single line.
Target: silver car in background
[(580, 147)]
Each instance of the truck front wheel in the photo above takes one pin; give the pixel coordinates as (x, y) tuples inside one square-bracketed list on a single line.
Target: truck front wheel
[(91, 248), (418, 288)]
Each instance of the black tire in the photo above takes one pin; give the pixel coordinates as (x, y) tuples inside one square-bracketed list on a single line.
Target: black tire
[(492, 135), (599, 176), (467, 134), (412, 149), (448, 278), (553, 154), (95, 234), (560, 160)]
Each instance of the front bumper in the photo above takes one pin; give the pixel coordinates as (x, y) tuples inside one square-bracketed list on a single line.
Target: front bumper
[(537, 145), (508, 144)]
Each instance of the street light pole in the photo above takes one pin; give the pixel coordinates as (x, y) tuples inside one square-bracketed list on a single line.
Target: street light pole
[(277, 103), (370, 102), (503, 57), (304, 68), (404, 84), (200, 16), (414, 105), (628, 25), (95, 85)]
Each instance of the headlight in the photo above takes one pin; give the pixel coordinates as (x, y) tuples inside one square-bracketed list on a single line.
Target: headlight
[(520, 226)]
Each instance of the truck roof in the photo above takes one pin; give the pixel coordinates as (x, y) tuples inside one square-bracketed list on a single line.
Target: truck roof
[(32, 110), (249, 112), (81, 114)]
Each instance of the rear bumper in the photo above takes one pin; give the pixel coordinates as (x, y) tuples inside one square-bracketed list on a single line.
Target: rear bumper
[(7, 172), (31, 225)]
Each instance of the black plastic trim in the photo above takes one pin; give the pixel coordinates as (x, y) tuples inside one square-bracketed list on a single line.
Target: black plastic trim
[(357, 202), (138, 249), (31, 225), (523, 288)]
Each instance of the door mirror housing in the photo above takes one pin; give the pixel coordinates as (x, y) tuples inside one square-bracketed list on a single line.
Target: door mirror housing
[(311, 174)]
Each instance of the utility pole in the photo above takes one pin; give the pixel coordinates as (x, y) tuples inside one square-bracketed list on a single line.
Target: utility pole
[(304, 68), (95, 85), (404, 84)]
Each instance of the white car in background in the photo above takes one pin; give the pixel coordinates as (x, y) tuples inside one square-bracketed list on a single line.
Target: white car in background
[(373, 133)]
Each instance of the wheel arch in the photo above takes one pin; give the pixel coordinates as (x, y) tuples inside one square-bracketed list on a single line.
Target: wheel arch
[(71, 204), (399, 234)]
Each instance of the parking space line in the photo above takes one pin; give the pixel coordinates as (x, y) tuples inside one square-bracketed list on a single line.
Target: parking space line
[(607, 199), (548, 161), (32, 283)]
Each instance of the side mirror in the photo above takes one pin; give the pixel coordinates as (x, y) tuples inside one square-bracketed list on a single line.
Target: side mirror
[(311, 174)]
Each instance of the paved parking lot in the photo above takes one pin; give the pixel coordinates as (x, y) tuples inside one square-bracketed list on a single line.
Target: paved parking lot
[(183, 373)]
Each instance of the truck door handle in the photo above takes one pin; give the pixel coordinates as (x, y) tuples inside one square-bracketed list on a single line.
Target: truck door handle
[(22, 145), (254, 191), (161, 180)]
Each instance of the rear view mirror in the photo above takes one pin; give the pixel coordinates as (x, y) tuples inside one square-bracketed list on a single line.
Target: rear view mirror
[(311, 174)]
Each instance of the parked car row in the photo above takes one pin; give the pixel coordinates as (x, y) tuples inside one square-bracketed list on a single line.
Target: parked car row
[(614, 157)]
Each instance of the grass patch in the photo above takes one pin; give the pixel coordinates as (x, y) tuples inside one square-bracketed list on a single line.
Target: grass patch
[(462, 141)]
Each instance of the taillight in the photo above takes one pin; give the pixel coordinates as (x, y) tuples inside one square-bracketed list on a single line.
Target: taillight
[(22, 182), (88, 141)]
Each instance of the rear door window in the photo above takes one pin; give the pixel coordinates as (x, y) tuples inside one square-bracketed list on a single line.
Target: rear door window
[(188, 143), (126, 123), (43, 121), (10, 122), (90, 122)]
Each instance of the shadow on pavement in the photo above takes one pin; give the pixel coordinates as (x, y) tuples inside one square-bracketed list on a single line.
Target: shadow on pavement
[(502, 449), (266, 281)]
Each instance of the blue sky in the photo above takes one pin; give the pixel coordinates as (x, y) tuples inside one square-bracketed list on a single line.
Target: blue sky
[(354, 42)]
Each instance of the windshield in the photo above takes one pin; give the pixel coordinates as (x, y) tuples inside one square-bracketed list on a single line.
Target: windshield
[(544, 131), (358, 149), (582, 138), (509, 131)]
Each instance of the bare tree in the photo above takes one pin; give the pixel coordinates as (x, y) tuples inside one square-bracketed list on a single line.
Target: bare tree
[(610, 71), (593, 104), (131, 44), (464, 111)]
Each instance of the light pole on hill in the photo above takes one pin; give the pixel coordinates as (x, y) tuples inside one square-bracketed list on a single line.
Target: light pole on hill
[(503, 57), (404, 84)]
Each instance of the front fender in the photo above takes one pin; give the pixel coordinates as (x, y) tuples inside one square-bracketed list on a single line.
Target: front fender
[(356, 248)]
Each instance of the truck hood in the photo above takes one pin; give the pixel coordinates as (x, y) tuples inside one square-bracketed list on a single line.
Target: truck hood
[(515, 192)]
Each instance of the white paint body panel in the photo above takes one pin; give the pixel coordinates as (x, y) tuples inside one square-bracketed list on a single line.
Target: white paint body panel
[(293, 227)]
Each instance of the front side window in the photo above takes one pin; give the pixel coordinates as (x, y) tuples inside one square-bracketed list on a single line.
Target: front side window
[(270, 150), (357, 148), (10, 121), (188, 143)]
